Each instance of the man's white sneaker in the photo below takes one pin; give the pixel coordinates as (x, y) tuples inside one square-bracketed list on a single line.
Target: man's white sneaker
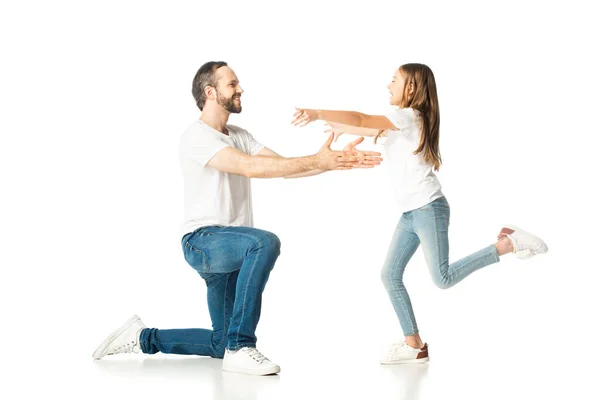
[(126, 339), (525, 244), (248, 360), (402, 353)]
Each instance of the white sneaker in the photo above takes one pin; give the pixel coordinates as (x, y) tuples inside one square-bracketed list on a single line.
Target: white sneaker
[(525, 244), (248, 360), (126, 339), (402, 353), (524, 254)]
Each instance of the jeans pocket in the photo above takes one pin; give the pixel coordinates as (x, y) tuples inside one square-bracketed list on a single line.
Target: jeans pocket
[(196, 258)]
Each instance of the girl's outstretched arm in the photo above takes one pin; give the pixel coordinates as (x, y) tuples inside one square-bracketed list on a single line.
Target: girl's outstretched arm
[(303, 116), (340, 129)]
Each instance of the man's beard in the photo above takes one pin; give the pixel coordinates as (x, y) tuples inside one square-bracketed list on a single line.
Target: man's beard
[(229, 103)]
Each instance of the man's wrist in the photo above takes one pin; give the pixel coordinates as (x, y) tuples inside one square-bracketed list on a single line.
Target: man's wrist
[(313, 162)]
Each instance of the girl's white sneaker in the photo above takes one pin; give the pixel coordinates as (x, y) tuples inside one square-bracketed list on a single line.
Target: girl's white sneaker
[(402, 353)]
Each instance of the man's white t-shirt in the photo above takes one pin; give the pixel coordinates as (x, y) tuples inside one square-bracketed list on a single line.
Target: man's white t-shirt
[(413, 180), (212, 197)]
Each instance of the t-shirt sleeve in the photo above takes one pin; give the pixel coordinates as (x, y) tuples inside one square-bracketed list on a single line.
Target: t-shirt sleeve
[(402, 118), (201, 147), (254, 147)]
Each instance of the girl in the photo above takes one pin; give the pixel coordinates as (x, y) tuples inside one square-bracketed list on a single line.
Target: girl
[(412, 129)]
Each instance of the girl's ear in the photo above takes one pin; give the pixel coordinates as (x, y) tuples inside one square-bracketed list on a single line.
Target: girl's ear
[(411, 88)]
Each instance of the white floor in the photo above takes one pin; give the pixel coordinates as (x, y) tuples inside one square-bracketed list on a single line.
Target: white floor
[(497, 371), (516, 330)]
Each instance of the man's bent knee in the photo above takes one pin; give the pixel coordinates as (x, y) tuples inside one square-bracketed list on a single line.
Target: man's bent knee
[(269, 241)]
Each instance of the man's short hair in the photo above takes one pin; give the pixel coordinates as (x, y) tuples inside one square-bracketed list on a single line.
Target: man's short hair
[(205, 77)]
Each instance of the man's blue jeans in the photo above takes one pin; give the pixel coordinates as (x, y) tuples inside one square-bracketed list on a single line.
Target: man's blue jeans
[(235, 263)]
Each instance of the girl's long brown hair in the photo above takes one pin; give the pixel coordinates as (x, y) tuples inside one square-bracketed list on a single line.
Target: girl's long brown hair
[(424, 99)]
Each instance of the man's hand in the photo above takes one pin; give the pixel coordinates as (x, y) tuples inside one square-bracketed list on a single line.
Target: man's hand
[(368, 159), (328, 159)]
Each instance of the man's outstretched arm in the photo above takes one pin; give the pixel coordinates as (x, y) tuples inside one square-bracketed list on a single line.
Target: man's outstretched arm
[(234, 161), (270, 153), (369, 159)]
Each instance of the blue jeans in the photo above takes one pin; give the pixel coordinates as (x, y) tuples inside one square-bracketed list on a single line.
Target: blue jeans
[(235, 263), (428, 226)]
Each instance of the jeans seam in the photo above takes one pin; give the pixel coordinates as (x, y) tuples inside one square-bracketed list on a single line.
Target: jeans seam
[(255, 238), (197, 250), (155, 342), (437, 244), (224, 314), (472, 261), (495, 253), (242, 346), (237, 337), (406, 311)]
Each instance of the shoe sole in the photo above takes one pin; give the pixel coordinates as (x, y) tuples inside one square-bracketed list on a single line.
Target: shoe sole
[(270, 371), (411, 361), (516, 228), (524, 254), (98, 354)]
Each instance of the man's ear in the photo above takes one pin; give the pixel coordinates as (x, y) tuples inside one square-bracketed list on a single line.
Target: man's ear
[(209, 92)]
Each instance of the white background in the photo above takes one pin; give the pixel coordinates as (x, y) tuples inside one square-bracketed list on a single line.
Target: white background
[(94, 96)]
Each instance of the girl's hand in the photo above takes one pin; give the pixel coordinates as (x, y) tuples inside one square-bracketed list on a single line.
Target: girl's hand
[(303, 116), (368, 159), (337, 129)]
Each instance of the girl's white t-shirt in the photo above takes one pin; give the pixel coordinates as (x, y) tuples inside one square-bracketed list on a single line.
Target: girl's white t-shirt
[(212, 197), (413, 181)]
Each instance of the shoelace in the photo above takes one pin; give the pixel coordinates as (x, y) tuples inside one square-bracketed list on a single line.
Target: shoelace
[(125, 348), (255, 354), (396, 347)]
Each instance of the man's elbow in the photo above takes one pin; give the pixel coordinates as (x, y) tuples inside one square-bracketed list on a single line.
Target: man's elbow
[(247, 168), (249, 173), (252, 171)]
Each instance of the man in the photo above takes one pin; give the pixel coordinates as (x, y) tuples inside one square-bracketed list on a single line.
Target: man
[(218, 238)]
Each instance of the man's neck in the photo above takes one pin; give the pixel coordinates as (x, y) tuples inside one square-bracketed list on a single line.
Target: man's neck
[(215, 119)]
